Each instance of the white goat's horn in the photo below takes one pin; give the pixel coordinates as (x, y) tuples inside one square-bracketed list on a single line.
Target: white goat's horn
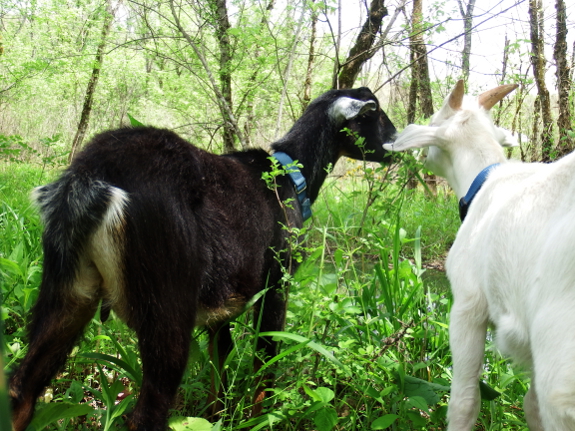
[(491, 97), (456, 96)]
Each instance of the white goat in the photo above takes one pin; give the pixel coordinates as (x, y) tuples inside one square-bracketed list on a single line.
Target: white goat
[(512, 263)]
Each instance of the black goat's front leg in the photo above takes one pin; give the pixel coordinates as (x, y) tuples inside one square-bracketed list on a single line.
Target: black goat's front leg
[(270, 316), (164, 348), (56, 325), (220, 346)]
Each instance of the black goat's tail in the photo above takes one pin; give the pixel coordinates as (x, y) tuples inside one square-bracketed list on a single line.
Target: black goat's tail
[(82, 241), (83, 226)]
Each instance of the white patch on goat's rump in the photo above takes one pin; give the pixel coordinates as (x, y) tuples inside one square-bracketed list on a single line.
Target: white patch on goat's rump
[(101, 271)]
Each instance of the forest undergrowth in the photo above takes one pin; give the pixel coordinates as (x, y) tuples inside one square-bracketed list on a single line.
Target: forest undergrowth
[(365, 345)]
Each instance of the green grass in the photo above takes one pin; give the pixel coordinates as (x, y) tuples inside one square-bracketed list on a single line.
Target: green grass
[(365, 345)]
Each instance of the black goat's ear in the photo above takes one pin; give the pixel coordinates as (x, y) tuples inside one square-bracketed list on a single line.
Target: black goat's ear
[(346, 108)]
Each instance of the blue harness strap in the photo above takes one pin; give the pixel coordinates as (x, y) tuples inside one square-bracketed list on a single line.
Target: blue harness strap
[(298, 180), (477, 183)]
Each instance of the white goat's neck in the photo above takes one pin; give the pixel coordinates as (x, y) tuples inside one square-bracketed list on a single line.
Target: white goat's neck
[(466, 144), (460, 167)]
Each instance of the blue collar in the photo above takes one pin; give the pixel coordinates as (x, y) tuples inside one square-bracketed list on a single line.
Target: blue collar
[(477, 183), (298, 180)]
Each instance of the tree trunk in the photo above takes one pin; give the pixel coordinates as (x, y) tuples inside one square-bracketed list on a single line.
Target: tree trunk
[(225, 108), (467, 15), (310, 59), (538, 63), (336, 43), (516, 122), (572, 73), (503, 75), (363, 49), (420, 87), (93, 82), (534, 152), (222, 28), (285, 76), (563, 83), (425, 97), (250, 109)]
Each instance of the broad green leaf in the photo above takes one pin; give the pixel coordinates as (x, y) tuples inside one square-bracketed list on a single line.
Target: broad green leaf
[(414, 387), (52, 412), (487, 392), (321, 395), (134, 122), (383, 422), (311, 393), (75, 392), (181, 423), (325, 419), (372, 392), (419, 403), (10, 266), (325, 394), (217, 426), (415, 417)]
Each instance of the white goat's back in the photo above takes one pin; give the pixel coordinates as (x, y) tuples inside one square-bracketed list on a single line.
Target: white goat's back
[(513, 262)]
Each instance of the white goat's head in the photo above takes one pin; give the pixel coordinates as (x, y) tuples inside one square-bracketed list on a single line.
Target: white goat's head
[(461, 129)]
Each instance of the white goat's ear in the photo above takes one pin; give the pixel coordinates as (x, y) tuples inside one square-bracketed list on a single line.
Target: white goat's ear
[(346, 108), (505, 138), (414, 136)]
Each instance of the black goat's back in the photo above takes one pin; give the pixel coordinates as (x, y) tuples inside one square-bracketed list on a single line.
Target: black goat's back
[(196, 227)]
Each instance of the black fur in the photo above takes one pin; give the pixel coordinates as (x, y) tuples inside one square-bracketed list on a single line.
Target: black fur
[(191, 233)]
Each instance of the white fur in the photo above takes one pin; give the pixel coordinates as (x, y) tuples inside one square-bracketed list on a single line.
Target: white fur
[(101, 264), (512, 265)]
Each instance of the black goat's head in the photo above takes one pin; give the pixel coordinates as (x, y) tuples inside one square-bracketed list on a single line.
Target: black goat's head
[(363, 126), (338, 123), (334, 122)]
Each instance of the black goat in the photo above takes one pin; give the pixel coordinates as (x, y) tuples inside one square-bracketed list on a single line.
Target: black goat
[(171, 237)]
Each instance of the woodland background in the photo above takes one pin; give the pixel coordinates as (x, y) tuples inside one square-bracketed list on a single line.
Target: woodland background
[(365, 345), (232, 74)]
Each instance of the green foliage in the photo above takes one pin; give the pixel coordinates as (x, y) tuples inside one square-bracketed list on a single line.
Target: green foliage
[(16, 150), (365, 345), (47, 414), (133, 121), (180, 423)]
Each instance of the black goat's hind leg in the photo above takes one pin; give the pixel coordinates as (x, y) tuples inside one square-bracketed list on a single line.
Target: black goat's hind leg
[(164, 350), (56, 325), (273, 312), (221, 344)]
